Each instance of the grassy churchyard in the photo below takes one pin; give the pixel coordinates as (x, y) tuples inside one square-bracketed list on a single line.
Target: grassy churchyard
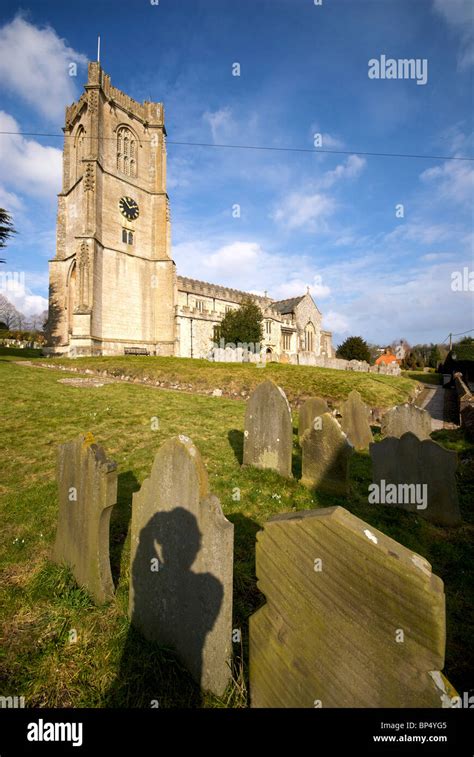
[(58, 648)]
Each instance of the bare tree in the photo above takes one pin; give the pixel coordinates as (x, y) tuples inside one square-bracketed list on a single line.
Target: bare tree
[(9, 315)]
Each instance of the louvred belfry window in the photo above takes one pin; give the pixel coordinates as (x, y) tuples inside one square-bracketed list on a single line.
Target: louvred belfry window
[(126, 152)]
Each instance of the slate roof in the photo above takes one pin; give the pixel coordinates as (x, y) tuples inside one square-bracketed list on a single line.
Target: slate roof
[(287, 306)]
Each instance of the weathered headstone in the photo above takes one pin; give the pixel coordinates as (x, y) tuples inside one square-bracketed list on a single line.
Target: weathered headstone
[(182, 564), (268, 434), (416, 475), (407, 418), (325, 457), (352, 619), (312, 408), (87, 484), (355, 421)]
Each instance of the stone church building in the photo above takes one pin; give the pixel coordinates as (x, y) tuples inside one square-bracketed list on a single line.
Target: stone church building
[(113, 283)]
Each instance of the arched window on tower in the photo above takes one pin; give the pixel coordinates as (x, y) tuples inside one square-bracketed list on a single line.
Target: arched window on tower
[(126, 152), (79, 144)]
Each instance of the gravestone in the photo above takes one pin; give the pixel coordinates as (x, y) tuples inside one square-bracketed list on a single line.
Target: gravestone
[(421, 475), (268, 434), (352, 618), (407, 418), (312, 408), (325, 457), (355, 421), (87, 484), (182, 564)]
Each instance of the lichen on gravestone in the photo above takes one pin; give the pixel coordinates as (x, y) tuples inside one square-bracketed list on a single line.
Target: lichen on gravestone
[(87, 489)]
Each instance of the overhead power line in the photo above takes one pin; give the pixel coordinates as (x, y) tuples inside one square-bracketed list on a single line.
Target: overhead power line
[(461, 333), (318, 149), (314, 150)]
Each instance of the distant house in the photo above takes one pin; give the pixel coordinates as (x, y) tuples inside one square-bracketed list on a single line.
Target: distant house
[(387, 358)]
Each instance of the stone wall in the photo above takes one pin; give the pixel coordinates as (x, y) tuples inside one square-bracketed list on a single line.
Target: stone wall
[(308, 358), (465, 400)]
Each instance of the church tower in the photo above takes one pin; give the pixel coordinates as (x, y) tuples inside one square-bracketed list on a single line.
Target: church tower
[(112, 282)]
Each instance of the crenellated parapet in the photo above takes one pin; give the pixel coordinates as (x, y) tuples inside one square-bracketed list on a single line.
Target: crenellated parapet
[(205, 289), (74, 111), (151, 114)]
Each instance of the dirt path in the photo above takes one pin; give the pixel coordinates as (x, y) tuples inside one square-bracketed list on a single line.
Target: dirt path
[(433, 401)]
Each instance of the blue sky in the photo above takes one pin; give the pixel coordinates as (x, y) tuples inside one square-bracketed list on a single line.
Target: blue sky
[(327, 221)]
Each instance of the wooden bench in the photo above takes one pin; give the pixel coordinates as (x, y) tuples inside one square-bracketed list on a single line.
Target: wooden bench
[(136, 351)]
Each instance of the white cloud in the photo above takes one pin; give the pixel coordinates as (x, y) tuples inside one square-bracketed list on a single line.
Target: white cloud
[(8, 200), (249, 267), (180, 173), (309, 210), (34, 65), (297, 286), (331, 143), (220, 123), (328, 141), (420, 231), (436, 256), (378, 303), (300, 210), (348, 170), (336, 322), (459, 14), (234, 256), (21, 296), (26, 165), (457, 141), (454, 179)]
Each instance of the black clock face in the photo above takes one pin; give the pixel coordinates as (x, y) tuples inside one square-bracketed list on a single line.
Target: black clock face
[(129, 208)]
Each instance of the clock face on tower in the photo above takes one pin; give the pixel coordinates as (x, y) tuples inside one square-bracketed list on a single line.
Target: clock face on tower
[(129, 208)]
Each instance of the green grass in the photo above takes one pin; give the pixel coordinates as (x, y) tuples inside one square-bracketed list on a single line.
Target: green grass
[(425, 378), (110, 664), (298, 382)]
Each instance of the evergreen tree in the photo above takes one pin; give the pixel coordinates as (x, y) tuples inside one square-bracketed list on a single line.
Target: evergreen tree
[(354, 348), (6, 228), (243, 324)]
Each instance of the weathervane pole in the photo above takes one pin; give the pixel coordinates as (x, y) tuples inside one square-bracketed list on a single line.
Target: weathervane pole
[(98, 49)]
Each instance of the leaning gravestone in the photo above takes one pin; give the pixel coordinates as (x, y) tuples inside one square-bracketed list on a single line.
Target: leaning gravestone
[(416, 475), (325, 457), (355, 421), (87, 483), (268, 434), (352, 619), (314, 407), (407, 418), (182, 563)]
